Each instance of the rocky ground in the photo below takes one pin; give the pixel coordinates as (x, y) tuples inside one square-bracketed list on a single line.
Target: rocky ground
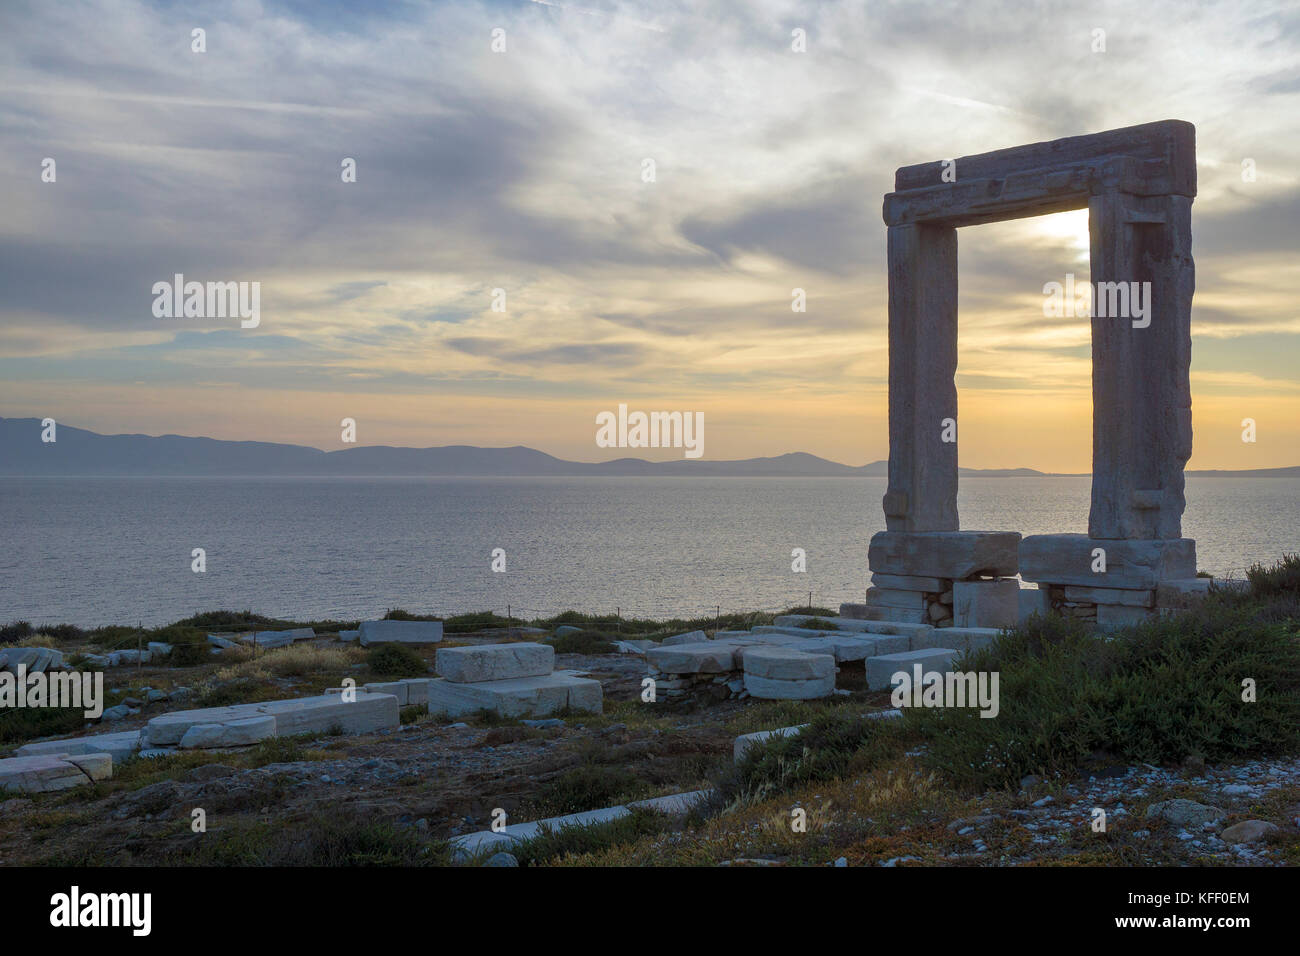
[(434, 779)]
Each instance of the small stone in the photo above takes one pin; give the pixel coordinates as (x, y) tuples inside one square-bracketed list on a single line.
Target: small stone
[(1249, 831), (1183, 813), (842, 861)]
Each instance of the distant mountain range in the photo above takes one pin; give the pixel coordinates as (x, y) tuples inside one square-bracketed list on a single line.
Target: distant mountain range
[(81, 452)]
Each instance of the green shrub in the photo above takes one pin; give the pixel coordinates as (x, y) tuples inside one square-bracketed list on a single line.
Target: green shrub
[(396, 660), (554, 844), (1154, 693), (833, 745), (15, 632), (585, 787), (335, 838), (1282, 578), (584, 642), (18, 724)]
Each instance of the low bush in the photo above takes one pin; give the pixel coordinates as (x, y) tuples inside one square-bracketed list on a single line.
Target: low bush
[(396, 660)]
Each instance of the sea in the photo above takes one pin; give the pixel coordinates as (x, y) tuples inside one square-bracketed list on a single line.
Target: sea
[(121, 550)]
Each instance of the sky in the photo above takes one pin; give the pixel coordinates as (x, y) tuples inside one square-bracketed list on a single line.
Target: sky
[(524, 170)]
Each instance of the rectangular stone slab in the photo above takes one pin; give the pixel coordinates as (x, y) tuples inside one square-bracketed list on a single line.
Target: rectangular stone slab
[(709, 657), (880, 670), (118, 746), (890, 597), (1133, 564), (910, 582), (957, 638), (50, 772), (1142, 598), (945, 554), (317, 715), (986, 603), (484, 662), (400, 632), (523, 697)]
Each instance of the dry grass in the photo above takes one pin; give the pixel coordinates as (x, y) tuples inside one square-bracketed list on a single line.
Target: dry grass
[(297, 660)]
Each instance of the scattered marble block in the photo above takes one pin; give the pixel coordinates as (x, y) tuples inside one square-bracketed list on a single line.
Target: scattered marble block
[(159, 649), (35, 660), (1033, 601), (521, 697), (957, 638), (783, 663), (273, 639), (306, 715), (1131, 563), (49, 772), (564, 630), (400, 632), (118, 746), (410, 691), (767, 688), (945, 554), (986, 603), (691, 637), (709, 657), (1112, 617), (234, 733), (349, 636), (746, 741), (488, 662), (879, 612), (881, 669)]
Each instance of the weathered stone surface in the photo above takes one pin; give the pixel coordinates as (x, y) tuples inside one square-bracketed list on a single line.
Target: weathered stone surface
[(119, 746), (159, 649), (888, 597), (691, 637), (709, 657), (878, 612), (1133, 564), (1249, 831), (1136, 598), (488, 662), (400, 632), (957, 638), (349, 636), (35, 660), (49, 772), (368, 713), (881, 669), (1034, 601), (234, 733), (945, 554), (1184, 813), (566, 630), (922, 491), (502, 859), (783, 663), (1111, 617), (675, 804), (767, 688), (273, 639), (1182, 593), (986, 603), (909, 582), (521, 697)]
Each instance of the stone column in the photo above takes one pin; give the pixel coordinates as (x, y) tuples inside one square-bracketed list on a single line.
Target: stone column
[(922, 493), (1141, 373)]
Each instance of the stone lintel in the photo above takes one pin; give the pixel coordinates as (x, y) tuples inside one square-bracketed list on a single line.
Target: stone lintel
[(945, 554), (1173, 141), (1131, 564)]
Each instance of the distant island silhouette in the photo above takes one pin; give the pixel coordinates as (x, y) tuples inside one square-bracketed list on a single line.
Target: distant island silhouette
[(78, 451)]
